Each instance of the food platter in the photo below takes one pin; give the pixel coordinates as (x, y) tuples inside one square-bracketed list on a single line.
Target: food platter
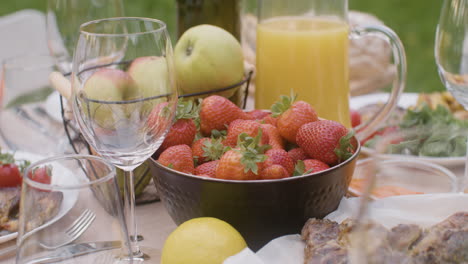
[(407, 100), (69, 198)]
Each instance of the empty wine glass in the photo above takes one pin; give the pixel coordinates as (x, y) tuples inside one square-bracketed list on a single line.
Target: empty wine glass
[(63, 20), (410, 209), (124, 96), (71, 212), (451, 51)]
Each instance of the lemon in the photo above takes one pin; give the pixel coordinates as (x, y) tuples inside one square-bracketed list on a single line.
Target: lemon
[(204, 240)]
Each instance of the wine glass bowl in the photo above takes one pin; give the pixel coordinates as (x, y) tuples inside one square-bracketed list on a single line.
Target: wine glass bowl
[(407, 204), (451, 48), (63, 20), (124, 95)]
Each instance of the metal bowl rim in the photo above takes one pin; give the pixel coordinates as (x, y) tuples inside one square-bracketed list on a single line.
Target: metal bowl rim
[(292, 178)]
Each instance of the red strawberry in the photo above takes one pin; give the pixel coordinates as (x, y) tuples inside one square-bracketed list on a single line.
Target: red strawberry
[(183, 131), (207, 169), (297, 154), (244, 162), (230, 167), (274, 138), (206, 149), (159, 120), (274, 171), (355, 118), (292, 116), (217, 113), (258, 114), (280, 157), (313, 166), (239, 126), (269, 119), (179, 158), (326, 140)]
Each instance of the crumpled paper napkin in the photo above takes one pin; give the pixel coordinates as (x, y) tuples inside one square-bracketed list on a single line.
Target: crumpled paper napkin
[(424, 210)]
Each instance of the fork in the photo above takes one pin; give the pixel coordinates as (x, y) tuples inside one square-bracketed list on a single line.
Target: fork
[(75, 230)]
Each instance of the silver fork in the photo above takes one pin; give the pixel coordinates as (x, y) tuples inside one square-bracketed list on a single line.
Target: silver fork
[(73, 232)]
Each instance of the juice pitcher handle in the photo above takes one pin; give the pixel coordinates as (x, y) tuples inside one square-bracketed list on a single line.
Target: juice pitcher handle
[(365, 130)]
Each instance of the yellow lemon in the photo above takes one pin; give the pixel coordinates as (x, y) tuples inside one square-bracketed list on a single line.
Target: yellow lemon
[(204, 240)]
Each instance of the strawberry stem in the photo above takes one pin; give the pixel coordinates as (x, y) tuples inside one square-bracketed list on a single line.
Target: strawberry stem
[(282, 105), (345, 149), (251, 152)]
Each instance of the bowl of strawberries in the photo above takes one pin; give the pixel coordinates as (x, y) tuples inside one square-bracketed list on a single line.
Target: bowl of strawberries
[(264, 172)]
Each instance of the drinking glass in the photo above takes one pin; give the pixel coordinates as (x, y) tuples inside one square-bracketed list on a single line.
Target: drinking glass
[(24, 113), (70, 212), (125, 104), (451, 51), (302, 47), (63, 20), (411, 209)]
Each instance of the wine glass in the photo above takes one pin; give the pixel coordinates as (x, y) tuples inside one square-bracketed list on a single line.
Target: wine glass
[(70, 207), (410, 209), (124, 96), (63, 20), (451, 51)]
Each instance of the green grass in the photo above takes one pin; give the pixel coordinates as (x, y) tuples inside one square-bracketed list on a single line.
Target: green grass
[(414, 21)]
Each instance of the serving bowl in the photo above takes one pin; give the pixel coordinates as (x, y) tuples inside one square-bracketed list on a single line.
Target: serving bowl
[(260, 210)]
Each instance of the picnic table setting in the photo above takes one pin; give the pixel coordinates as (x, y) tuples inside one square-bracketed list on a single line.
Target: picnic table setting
[(254, 132)]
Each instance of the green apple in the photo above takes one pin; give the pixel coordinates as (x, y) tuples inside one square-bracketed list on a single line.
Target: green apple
[(108, 85), (151, 78), (206, 58)]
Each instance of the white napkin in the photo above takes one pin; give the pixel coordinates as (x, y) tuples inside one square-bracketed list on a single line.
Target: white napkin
[(424, 210)]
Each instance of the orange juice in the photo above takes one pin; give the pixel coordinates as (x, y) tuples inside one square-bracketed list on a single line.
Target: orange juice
[(308, 56)]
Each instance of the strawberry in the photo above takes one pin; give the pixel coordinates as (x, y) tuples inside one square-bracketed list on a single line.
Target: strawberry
[(207, 169), (239, 126), (309, 166), (355, 118), (297, 154), (274, 138), (183, 131), (280, 157), (258, 114), (179, 158), (244, 162), (327, 141), (269, 119), (291, 116), (217, 112), (274, 171), (206, 149)]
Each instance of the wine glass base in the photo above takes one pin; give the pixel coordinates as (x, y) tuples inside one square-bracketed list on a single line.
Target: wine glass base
[(146, 255)]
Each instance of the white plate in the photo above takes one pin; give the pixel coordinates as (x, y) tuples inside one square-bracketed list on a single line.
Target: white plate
[(69, 198), (406, 100)]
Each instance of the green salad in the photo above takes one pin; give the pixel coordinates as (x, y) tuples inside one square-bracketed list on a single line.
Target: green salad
[(426, 132)]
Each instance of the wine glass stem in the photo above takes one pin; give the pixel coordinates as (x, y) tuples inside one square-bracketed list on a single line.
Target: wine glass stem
[(463, 181), (129, 205)]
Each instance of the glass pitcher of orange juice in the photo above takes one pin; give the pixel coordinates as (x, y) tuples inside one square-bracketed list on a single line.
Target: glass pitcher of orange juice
[(302, 47)]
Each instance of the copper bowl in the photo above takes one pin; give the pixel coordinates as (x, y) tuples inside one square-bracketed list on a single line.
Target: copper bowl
[(260, 210)]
